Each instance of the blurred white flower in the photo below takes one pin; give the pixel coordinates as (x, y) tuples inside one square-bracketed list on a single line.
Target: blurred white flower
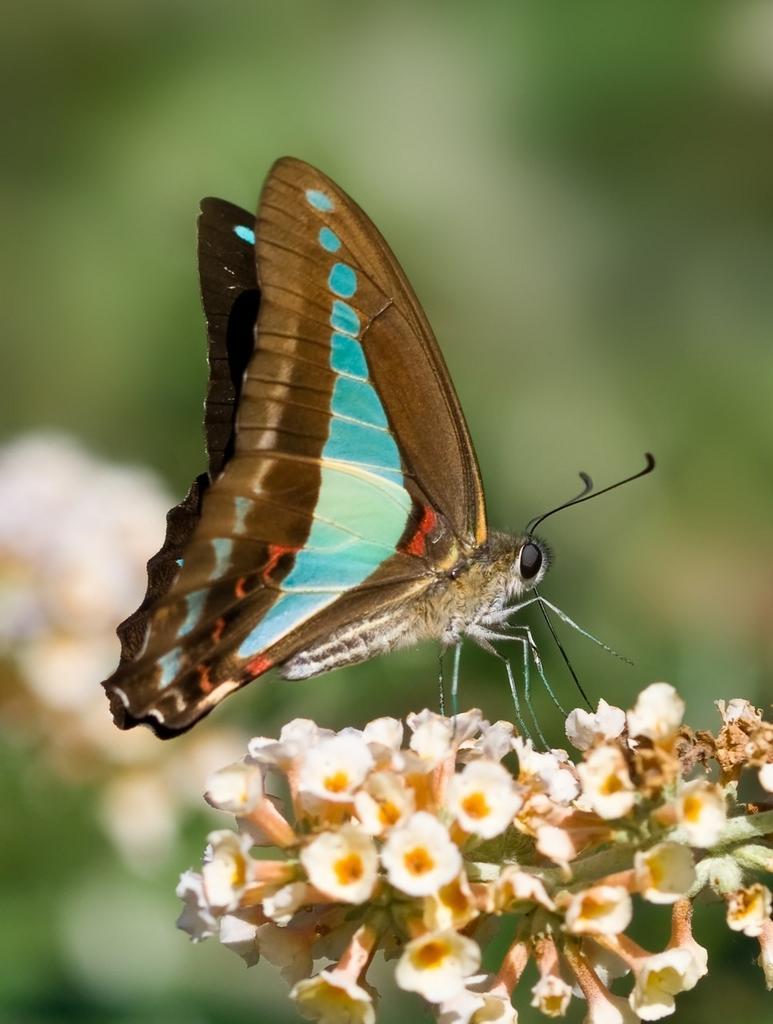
[(599, 910), (702, 813), (419, 856), (226, 870), (237, 788), (664, 872), (658, 979), (483, 798), (196, 917), (748, 909), (343, 864), (606, 784), (657, 714), (586, 728), (334, 768), (551, 995), (76, 533), (383, 802), (334, 998), (437, 964)]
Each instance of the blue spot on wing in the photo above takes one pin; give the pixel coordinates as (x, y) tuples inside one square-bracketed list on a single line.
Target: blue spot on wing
[(342, 280), (170, 666), (366, 446), (346, 356), (319, 200), (243, 506), (344, 319), (246, 234), (329, 240), (194, 604), (357, 400), (223, 546)]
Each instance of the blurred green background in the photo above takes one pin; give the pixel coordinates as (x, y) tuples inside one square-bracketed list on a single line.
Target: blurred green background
[(582, 195)]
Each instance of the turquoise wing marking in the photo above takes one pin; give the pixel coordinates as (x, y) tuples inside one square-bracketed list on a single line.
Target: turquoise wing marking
[(362, 508)]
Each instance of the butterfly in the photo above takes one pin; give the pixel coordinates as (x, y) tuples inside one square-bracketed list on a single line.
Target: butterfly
[(342, 514)]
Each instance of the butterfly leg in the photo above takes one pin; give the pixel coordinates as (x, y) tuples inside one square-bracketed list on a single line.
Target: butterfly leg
[(483, 638), (441, 690), (455, 678), (495, 618)]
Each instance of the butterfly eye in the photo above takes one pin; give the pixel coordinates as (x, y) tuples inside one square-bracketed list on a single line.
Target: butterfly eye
[(530, 561)]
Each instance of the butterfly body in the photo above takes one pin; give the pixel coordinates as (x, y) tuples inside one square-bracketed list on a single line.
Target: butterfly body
[(458, 604), (342, 514)]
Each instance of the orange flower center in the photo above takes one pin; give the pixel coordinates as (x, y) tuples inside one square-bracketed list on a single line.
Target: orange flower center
[(349, 869), (593, 908), (418, 861), (430, 955), (475, 805), (337, 782), (692, 808), (610, 785), (388, 813)]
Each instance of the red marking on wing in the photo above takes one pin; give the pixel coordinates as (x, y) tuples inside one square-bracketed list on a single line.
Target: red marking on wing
[(239, 590), (217, 632), (258, 665), (275, 552), (205, 683), (417, 545)]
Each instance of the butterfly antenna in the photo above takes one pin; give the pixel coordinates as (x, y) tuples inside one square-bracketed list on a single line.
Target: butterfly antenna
[(564, 655), (587, 493)]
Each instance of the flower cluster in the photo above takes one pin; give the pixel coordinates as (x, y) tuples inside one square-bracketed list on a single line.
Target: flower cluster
[(351, 842), (75, 535)]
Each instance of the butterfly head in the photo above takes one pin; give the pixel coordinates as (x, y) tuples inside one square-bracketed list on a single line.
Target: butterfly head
[(528, 562)]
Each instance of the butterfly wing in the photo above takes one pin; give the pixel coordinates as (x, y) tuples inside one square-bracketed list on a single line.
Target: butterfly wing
[(347, 480)]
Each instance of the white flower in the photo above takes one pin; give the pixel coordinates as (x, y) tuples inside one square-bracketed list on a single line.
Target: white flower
[(295, 740), (494, 743), (483, 1001), (748, 910), (665, 872), (196, 917), (606, 784), (227, 869), (766, 777), (384, 737), (657, 713), (281, 905), (342, 864), (452, 906), (483, 798), (516, 886), (383, 802), (237, 788), (436, 965), (658, 979), (701, 811), (430, 743), (547, 770), (600, 910), (551, 995), (334, 768), (419, 856), (334, 998), (241, 937), (585, 728)]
